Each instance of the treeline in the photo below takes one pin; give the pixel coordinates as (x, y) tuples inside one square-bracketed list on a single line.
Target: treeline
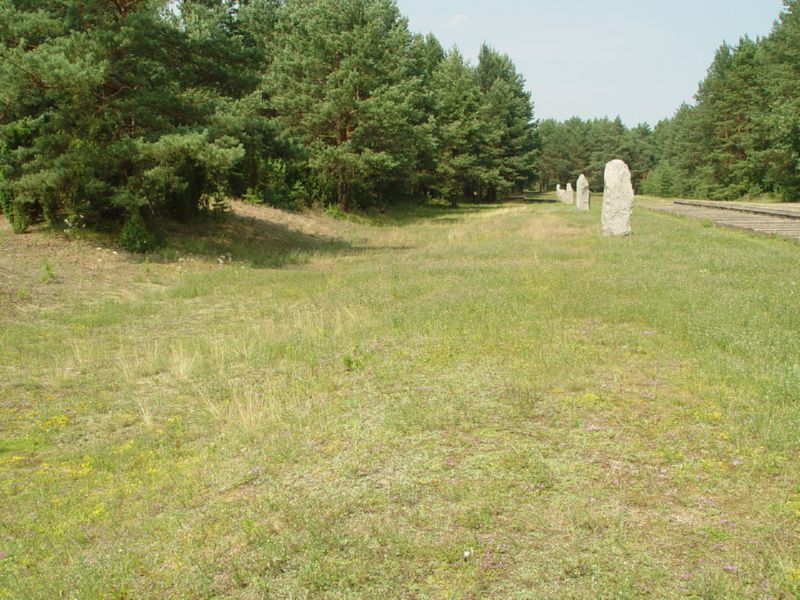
[(574, 147), (131, 111), (741, 137)]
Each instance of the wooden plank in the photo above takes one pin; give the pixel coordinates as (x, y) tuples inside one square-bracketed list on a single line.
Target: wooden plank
[(754, 224), (758, 222), (791, 212), (773, 230), (761, 225)]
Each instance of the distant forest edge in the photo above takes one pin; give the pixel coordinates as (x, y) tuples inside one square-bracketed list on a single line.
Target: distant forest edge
[(116, 114), (117, 111), (741, 137)]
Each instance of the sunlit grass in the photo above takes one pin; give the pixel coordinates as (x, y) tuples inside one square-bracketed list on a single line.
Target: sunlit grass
[(489, 402)]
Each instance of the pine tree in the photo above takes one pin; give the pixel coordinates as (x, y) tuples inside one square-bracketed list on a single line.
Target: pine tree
[(507, 106), (463, 133), (781, 122), (575, 147), (638, 151), (742, 136), (109, 108), (340, 82)]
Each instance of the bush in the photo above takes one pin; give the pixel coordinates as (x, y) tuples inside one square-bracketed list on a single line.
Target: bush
[(662, 181), (294, 198), (135, 236), (298, 197), (19, 219), (335, 212), (19, 216)]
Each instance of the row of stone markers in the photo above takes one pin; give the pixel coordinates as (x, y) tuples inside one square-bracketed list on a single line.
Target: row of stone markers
[(617, 198)]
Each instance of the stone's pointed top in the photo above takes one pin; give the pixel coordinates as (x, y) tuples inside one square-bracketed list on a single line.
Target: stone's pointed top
[(617, 199), (583, 196)]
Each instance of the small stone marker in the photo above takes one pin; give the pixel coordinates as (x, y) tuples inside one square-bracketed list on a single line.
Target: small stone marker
[(617, 199), (584, 194), (570, 194)]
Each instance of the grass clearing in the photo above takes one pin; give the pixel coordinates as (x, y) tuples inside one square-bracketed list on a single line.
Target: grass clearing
[(482, 402)]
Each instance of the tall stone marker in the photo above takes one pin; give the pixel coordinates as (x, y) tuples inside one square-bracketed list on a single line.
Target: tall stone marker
[(584, 194), (617, 199), (570, 194), (559, 193)]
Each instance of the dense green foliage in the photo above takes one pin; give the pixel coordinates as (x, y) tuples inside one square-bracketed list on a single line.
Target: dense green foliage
[(741, 137), (342, 82), (486, 140), (576, 147), (120, 108), (115, 108), (135, 237)]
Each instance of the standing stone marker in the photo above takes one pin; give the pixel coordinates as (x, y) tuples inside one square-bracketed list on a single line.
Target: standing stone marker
[(617, 199), (559, 193), (584, 194), (570, 194)]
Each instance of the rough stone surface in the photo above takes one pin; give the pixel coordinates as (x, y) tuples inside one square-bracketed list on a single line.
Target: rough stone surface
[(570, 194), (617, 199), (583, 197), (559, 193)]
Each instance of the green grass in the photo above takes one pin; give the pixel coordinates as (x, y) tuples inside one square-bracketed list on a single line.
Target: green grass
[(47, 272), (482, 402)]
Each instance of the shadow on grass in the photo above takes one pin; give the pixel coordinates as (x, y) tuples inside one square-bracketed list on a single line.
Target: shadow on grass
[(261, 242), (254, 241), (540, 198), (410, 213)]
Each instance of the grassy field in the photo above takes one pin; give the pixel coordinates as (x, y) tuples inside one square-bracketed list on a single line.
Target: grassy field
[(489, 402)]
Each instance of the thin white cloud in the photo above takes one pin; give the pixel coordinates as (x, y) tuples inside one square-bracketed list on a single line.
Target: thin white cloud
[(456, 20)]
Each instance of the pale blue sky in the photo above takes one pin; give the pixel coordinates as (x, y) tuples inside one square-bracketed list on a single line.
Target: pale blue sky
[(592, 58)]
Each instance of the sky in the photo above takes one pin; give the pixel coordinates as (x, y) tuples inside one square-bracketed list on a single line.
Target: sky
[(637, 59)]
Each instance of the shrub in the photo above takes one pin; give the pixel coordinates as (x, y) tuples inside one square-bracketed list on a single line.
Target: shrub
[(16, 215), (20, 216), (5, 204), (47, 272), (135, 236), (335, 212)]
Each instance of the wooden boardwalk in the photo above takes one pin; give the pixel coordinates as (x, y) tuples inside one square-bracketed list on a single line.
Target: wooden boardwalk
[(781, 219)]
